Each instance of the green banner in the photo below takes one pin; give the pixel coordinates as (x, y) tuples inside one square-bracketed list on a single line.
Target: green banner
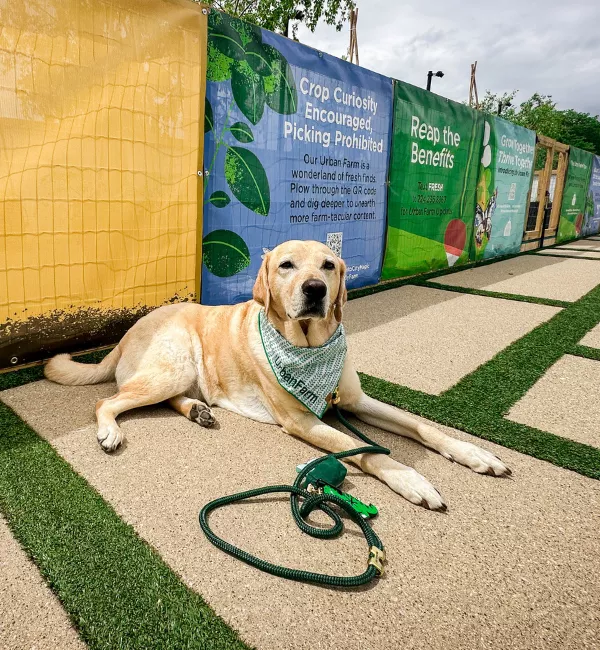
[(574, 194), (436, 148), (505, 172)]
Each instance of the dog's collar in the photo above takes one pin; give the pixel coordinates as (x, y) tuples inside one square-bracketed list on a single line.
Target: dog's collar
[(310, 374)]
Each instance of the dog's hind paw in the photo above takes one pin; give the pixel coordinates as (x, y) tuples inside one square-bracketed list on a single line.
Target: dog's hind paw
[(201, 414)]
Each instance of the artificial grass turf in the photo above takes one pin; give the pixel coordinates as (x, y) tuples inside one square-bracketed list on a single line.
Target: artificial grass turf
[(572, 248), (492, 294), (570, 257), (424, 278), (116, 589), (503, 380), (477, 404), (585, 351), (539, 444)]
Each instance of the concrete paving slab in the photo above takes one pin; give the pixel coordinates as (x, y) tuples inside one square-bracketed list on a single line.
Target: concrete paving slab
[(30, 614), (564, 401), (540, 276), (571, 253), (429, 339), (513, 564), (592, 338)]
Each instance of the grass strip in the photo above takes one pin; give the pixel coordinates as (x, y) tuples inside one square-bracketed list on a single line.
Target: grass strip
[(477, 404), (494, 294), (572, 248), (569, 257), (539, 444), (424, 277), (117, 591), (504, 380), (585, 351)]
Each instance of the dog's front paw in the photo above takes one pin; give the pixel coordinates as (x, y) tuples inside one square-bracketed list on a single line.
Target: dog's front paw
[(479, 460), (201, 414), (110, 437), (414, 487)]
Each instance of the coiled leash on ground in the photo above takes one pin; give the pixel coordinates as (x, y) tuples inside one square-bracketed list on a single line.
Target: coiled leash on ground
[(300, 511)]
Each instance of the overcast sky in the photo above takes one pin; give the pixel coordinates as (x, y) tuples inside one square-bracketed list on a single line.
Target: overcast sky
[(544, 46)]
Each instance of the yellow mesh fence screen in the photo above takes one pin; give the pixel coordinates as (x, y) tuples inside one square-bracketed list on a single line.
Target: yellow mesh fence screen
[(101, 104)]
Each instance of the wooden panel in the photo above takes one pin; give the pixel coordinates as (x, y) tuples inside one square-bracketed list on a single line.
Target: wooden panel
[(545, 141), (558, 189), (529, 246), (543, 184)]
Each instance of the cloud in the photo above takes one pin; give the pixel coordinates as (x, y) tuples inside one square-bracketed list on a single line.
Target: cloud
[(532, 46)]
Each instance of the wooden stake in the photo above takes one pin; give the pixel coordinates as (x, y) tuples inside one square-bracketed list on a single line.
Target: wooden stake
[(353, 48), (561, 172), (473, 96)]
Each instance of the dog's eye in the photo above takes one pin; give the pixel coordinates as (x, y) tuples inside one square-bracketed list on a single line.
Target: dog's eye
[(328, 266), (286, 265)]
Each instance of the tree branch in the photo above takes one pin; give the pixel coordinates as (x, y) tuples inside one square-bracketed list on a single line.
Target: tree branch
[(245, 9)]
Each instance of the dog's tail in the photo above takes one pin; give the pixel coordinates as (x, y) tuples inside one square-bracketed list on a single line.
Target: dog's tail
[(63, 370)]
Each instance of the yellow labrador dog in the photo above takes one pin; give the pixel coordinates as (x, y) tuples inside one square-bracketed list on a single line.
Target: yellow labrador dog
[(195, 357)]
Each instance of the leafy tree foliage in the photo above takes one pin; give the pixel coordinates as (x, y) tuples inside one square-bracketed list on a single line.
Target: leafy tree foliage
[(277, 14), (540, 114)]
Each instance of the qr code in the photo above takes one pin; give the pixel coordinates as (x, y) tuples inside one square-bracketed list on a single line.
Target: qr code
[(512, 191), (334, 241)]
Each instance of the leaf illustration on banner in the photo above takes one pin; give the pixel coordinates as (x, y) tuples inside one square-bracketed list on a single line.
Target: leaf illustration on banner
[(259, 59), (483, 187), (242, 132), (209, 119), (219, 199), (224, 37), (247, 180), (280, 86), (482, 193), (225, 253), (248, 91), (219, 66), (248, 32), (487, 175)]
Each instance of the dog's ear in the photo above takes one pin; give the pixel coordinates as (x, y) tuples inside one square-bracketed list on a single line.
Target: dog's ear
[(342, 295), (261, 292)]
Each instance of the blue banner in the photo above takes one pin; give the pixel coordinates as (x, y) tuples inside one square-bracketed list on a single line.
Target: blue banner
[(296, 147), (591, 217)]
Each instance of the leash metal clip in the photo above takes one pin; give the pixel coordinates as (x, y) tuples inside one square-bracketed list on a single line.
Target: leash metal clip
[(335, 396), (377, 558)]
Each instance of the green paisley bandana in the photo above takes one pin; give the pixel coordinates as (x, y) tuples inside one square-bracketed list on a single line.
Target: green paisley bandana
[(309, 374)]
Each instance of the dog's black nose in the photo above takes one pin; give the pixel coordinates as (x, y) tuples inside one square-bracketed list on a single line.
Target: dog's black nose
[(314, 289)]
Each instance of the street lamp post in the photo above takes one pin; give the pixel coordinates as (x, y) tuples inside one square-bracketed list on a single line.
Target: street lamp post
[(430, 74)]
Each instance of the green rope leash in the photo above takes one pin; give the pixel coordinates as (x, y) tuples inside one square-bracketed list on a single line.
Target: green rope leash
[(300, 511)]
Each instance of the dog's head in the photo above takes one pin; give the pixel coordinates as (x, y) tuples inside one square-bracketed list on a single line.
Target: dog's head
[(301, 280)]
